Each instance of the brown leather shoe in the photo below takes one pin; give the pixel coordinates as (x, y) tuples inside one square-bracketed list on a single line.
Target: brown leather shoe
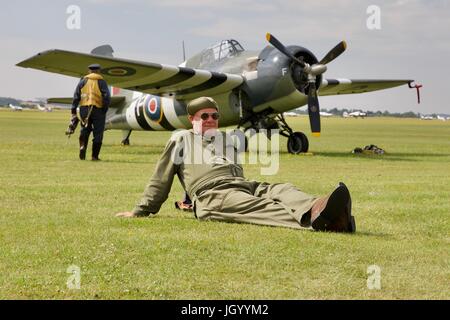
[(334, 212)]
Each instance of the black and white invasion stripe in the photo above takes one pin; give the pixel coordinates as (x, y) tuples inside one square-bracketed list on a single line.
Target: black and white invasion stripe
[(184, 83)]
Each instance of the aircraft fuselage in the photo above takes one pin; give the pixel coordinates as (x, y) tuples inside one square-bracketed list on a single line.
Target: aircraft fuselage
[(269, 89)]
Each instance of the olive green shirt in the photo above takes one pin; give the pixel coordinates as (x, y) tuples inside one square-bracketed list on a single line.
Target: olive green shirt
[(197, 160)]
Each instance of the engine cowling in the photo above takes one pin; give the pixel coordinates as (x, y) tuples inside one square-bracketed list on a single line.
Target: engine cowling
[(278, 81), (299, 77)]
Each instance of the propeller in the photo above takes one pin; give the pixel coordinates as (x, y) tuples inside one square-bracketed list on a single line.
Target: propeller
[(334, 53), (312, 71)]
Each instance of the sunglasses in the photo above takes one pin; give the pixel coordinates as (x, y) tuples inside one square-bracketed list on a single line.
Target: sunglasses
[(214, 115)]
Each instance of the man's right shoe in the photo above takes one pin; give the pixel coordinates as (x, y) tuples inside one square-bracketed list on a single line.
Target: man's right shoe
[(96, 146), (82, 153), (334, 212)]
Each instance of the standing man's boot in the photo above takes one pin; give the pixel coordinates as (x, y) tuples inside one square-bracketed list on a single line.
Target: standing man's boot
[(83, 147), (96, 146)]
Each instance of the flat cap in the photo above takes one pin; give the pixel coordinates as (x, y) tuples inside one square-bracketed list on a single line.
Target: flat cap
[(94, 66), (201, 103)]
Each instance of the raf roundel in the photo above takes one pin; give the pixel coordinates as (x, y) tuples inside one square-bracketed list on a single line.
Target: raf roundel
[(119, 71), (152, 105), (152, 108)]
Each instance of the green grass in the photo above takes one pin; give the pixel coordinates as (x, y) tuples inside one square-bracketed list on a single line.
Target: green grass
[(58, 211)]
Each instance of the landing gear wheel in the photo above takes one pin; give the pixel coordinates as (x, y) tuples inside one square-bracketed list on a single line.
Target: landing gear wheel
[(305, 142), (297, 143), (126, 137)]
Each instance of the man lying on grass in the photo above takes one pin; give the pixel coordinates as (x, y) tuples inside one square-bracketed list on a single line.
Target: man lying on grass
[(207, 165)]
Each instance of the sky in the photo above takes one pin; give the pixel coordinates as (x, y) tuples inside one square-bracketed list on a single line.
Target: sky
[(408, 39)]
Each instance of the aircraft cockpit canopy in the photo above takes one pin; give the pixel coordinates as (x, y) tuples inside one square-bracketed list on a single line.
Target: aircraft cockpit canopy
[(220, 51)]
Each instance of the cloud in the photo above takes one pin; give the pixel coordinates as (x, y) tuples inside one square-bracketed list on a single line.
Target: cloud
[(412, 42)]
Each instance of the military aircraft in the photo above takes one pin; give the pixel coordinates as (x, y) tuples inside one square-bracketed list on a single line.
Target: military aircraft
[(44, 108), (354, 114), (290, 114), (426, 117), (325, 114), (252, 88), (15, 108)]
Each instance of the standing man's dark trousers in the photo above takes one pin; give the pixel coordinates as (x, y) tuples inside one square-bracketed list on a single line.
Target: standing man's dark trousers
[(96, 124)]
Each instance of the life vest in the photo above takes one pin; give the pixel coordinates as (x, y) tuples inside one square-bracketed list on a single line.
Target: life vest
[(90, 93)]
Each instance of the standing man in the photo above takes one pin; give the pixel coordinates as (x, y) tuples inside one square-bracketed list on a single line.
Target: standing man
[(220, 192), (93, 97)]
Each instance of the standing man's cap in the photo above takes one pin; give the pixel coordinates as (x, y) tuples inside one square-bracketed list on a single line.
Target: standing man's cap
[(201, 103), (94, 66)]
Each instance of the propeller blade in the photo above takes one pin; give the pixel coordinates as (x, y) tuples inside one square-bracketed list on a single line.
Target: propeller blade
[(334, 53), (277, 44), (313, 110)]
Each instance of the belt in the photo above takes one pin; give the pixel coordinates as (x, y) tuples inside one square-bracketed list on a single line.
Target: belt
[(199, 188)]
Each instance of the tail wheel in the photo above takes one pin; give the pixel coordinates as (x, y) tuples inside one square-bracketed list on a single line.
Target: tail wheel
[(126, 137), (297, 143)]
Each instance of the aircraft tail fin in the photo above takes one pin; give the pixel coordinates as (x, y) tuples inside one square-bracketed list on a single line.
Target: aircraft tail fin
[(104, 50)]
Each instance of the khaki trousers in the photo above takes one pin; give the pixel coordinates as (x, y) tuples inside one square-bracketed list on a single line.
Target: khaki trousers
[(242, 201)]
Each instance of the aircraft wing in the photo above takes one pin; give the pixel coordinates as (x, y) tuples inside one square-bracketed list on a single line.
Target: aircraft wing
[(115, 100), (348, 86), (160, 79)]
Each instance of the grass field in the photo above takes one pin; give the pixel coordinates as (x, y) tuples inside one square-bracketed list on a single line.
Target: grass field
[(57, 211)]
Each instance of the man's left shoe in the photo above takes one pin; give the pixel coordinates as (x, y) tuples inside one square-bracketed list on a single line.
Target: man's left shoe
[(334, 212), (83, 146)]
